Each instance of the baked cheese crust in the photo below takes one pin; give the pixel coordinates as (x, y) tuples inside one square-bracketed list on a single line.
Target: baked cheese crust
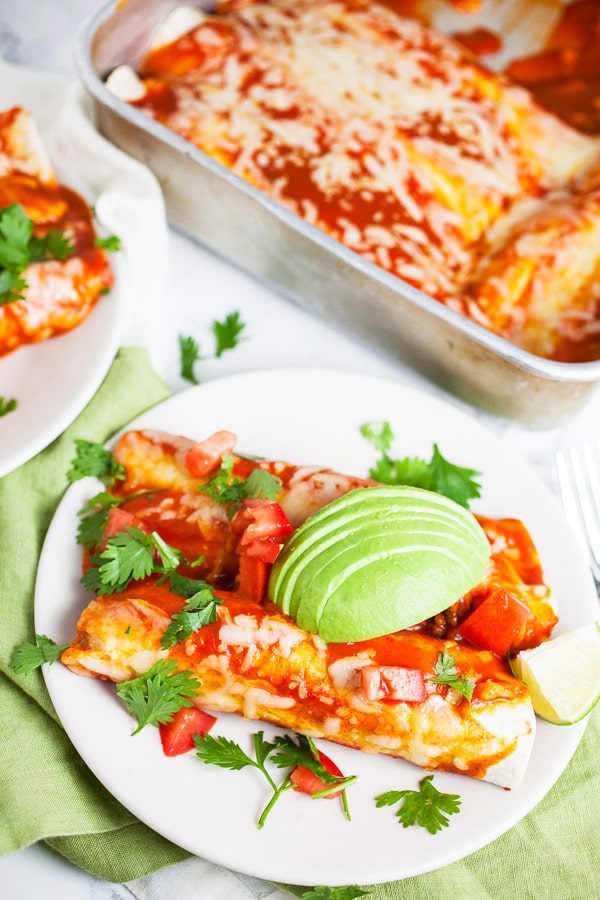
[(394, 140)]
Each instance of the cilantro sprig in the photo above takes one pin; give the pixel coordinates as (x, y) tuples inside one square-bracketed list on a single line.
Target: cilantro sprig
[(154, 697), (439, 475), (227, 335), (111, 243), (284, 752), (200, 609), (19, 248), (130, 555), (225, 488), (426, 807), (92, 459), (447, 673), (7, 406), (28, 657)]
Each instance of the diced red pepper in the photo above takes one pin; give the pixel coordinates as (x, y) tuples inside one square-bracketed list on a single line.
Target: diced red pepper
[(499, 623), (393, 683), (205, 457), (177, 736), (308, 782)]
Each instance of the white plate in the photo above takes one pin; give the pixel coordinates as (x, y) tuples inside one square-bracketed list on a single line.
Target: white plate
[(52, 381), (309, 416)]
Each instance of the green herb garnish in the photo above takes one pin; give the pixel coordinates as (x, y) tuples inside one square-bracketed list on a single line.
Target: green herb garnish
[(439, 475), (446, 673), (19, 248), (155, 697), (226, 489), (200, 609), (112, 244), (227, 333), (94, 460), (27, 656), (130, 555), (285, 752), (227, 337), (7, 406), (426, 807)]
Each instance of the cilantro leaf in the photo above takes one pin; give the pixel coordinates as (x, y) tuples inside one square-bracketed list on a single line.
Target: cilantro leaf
[(54, 245), (447, 673), (19, 247), (299, 750), (93, 459), (7, 406), (154, 697), (130, 555), (439, 475), (189, 355), (227, 333), (200, 610), (222, 752), (322, 892), (261, 483), (93, 518), (111, 244), (227, 489), (27, 656), (426, 807), (11, 287), (16, 229)]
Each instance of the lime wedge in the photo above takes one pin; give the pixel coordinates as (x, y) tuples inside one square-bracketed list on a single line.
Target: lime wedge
[(563, 675)]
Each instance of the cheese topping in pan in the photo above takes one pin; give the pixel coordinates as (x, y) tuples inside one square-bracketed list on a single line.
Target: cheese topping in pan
[(394, 140)]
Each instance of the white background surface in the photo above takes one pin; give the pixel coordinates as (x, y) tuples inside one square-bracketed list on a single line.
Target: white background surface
[(202, 288)]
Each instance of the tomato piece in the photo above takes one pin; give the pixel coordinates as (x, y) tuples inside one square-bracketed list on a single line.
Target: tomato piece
[(177, 736), (119, 520), (499, 623), (253, 578), (260, 520), (205, 457), (393, 683), (262, 527), (308, 782)]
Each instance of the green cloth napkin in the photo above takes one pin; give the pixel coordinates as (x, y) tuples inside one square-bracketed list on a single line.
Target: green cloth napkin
[(48, 794), (46, 791)]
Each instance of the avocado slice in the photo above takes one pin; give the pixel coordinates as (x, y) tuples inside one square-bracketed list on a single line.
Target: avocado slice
[(378, 560)]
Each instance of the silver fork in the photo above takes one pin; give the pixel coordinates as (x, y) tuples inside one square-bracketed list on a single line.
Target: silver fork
[(578, 469)]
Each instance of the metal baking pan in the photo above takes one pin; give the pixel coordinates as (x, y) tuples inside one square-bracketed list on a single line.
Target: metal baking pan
[(228, 215)]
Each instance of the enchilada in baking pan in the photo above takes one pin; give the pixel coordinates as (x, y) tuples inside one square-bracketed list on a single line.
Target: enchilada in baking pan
[(396, 141)]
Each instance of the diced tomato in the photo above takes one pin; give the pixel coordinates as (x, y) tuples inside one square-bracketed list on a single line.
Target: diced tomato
[(393, 683), (177, 736), (260, 522), (262, 527), (119, 520), (500, 623), (205, 457), (308, 783), (253, 578)]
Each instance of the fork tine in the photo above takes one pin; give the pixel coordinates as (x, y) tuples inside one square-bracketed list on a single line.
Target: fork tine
[(579, 479)]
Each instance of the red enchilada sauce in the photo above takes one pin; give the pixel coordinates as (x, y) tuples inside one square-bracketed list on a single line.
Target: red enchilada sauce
[(565, 76)]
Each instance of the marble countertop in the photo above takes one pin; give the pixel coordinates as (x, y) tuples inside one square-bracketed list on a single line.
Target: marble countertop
[(40, 34)]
